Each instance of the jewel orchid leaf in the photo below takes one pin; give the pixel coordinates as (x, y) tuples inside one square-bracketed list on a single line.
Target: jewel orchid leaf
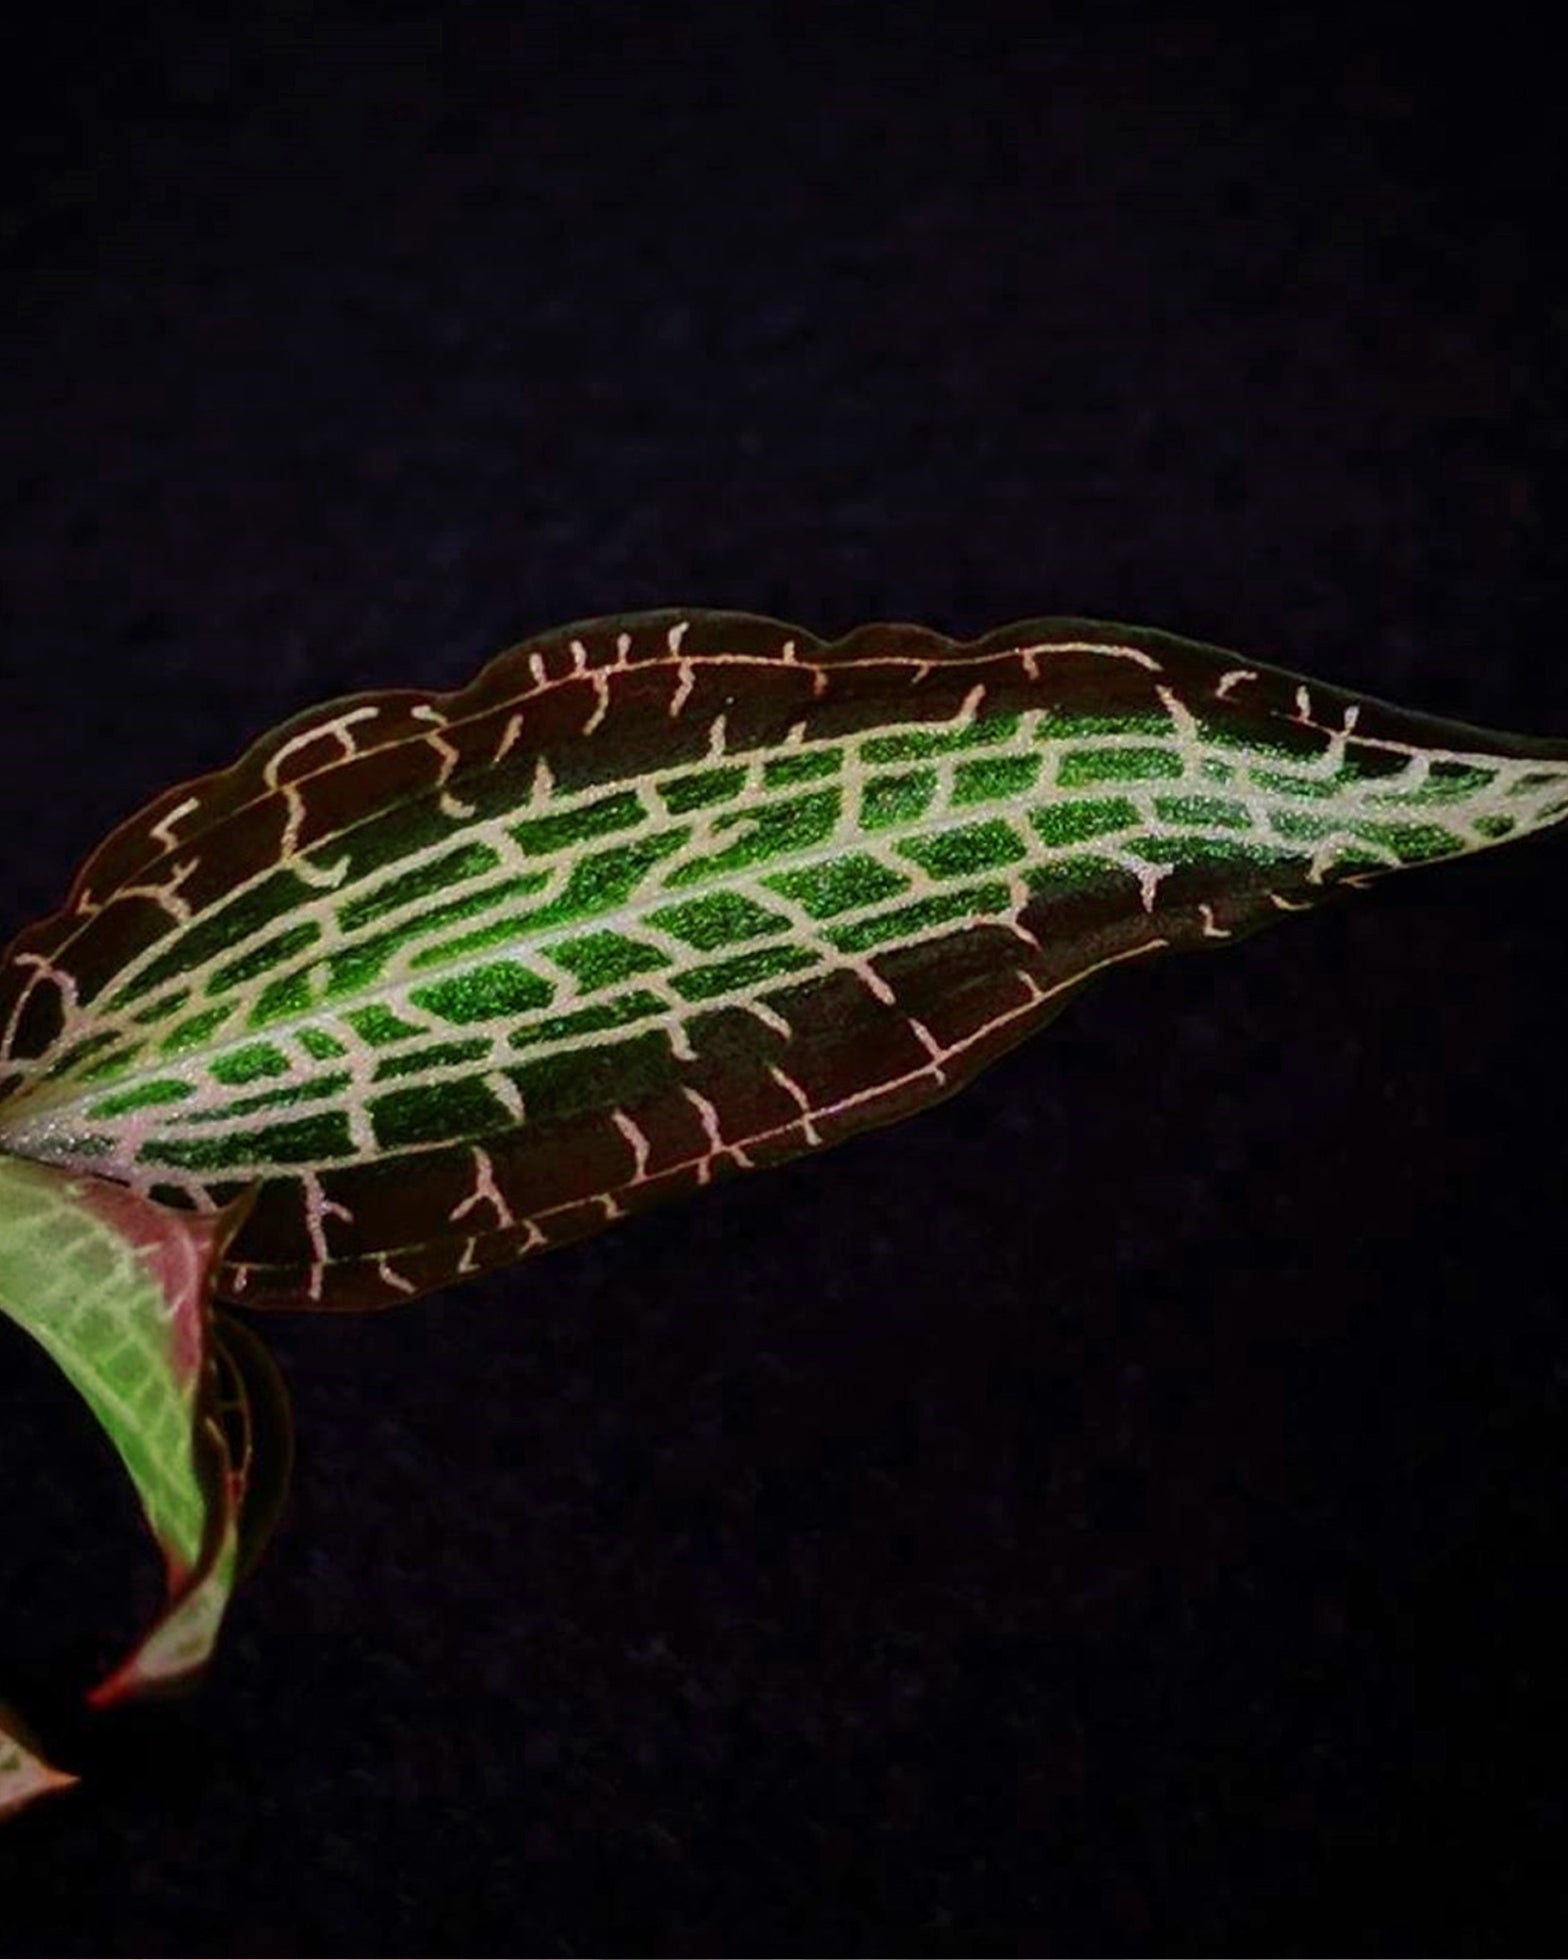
[(427, 982), (117, 1290), (451, 978)]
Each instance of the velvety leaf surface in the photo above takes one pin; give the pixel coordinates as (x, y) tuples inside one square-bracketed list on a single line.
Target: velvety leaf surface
[(455, 978)]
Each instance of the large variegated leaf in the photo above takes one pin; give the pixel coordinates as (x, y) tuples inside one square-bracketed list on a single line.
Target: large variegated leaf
[(455, 977)]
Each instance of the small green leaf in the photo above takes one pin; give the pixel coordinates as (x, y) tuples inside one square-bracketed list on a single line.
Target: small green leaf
[(117, 1289)]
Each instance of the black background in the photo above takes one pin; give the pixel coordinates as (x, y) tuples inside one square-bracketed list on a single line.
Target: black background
[(1118, 1510)]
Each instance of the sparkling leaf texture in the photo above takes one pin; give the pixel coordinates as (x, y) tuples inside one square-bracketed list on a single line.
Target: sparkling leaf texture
[(447, 979)]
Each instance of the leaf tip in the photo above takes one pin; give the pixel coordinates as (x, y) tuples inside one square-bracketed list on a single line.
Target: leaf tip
[(25, 1775), (178, 1646)]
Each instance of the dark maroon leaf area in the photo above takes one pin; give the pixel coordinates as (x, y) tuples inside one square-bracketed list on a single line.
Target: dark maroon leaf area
[(1119, 1510)]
